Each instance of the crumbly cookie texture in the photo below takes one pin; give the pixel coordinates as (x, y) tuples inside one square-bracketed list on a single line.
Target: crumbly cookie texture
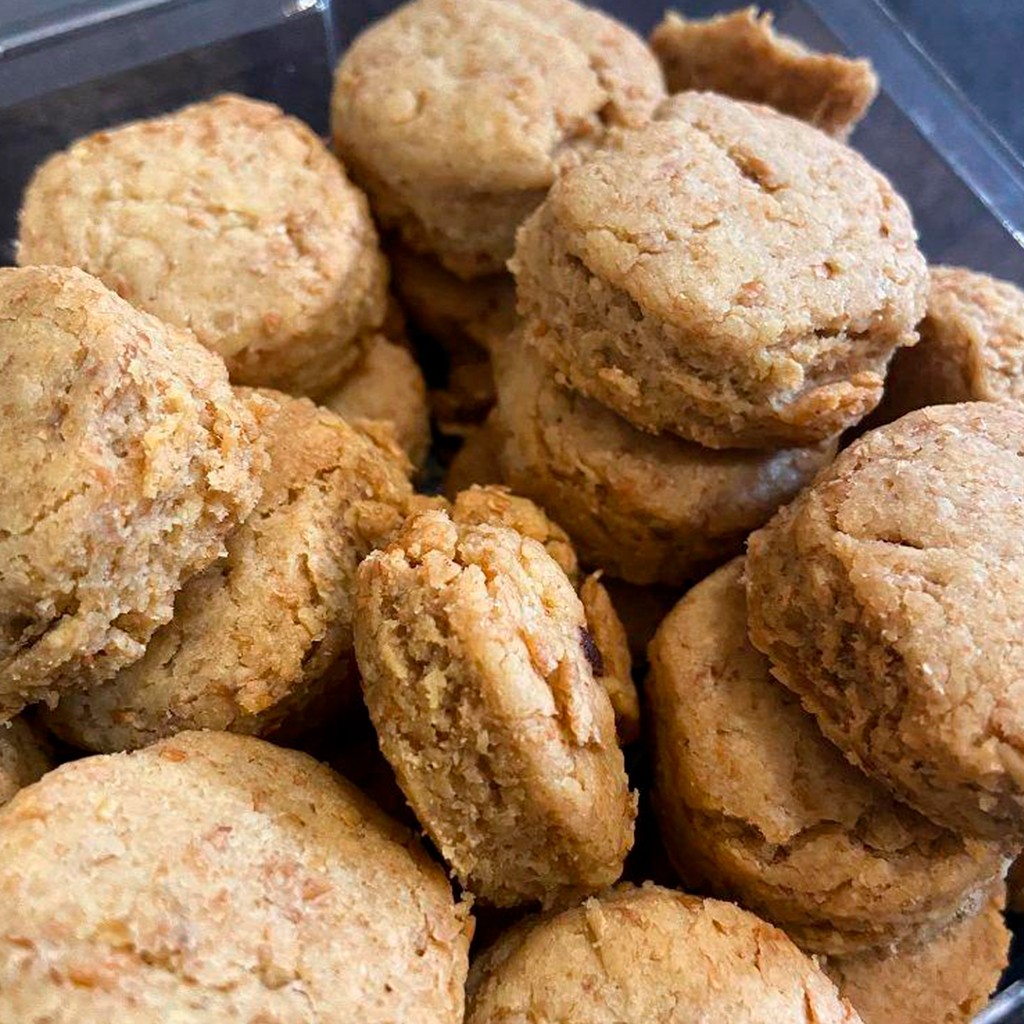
[(126, 460), (217, 877), (888, 597), (387, 385), (752, 798), (607, 647), (740, 55), (650, 954), (262, 641), (649, 509), (945, 980), (971, 347), (457, 115), (473, 650), (726, 273), (25, 756), (226, 217)]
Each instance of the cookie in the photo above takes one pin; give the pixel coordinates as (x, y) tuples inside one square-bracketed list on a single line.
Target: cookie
[(386, 384), (457, 115), (24, 757), (217, 877), (726, 273), (227, 217), (476, 461), (476, 671), (607, 648), (888, 597), (262, 641), (947, 979), (650, 954), (648, 509), (740, 55), (971, 347), (754, 800), (126, 461)]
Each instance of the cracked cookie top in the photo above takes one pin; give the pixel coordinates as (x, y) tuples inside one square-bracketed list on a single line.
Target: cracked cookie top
[(217, 877)]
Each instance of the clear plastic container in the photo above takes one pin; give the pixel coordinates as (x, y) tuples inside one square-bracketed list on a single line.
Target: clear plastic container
[(71, 68)]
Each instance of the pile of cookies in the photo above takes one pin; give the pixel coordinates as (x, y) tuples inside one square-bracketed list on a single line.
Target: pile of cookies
[(290, 736)]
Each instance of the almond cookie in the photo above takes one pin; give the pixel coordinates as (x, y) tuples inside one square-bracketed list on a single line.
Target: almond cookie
[(888, 597), (24, 757), (126, 460), (726, 273), (217, 877), (650, 509), (264, 636), (226, 217), (752, 798), (473, 650), (386, 384), (971, 347), (945, 980), (650, 954), (740, 55), (457, 115)]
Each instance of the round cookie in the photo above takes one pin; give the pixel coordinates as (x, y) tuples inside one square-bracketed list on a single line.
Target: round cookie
[(650, 954), (217, 877), (472, 646), (649, 509), (971, 347), (726, 273), (888, 597), (386, 384), (227, 217), (126, 460), (755, 800), (24, 757), (457, 115), (945, 980), (262, 641)]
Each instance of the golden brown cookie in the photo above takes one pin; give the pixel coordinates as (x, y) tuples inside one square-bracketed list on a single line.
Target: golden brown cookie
[(25, 756), (227, 217), (472, 646), (386, 384), (649, 509), (740, 55), (726, 273), (944, 980), (456, 115), (125, 459), (262, 641), (752, 798), (971, 347), (888, 597), (217, 877), (650, 954)]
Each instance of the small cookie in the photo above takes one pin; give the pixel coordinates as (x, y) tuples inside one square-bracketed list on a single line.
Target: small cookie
[(227, 217), (889, 598), (472, 646), (755, 800), (217, 877), (456, 115), (126, 461), (650, 954), (24, 757), (649, 509), (262, 641), (740, 55), (386, 384), (726, 273), (946, 979), (971, 347)]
